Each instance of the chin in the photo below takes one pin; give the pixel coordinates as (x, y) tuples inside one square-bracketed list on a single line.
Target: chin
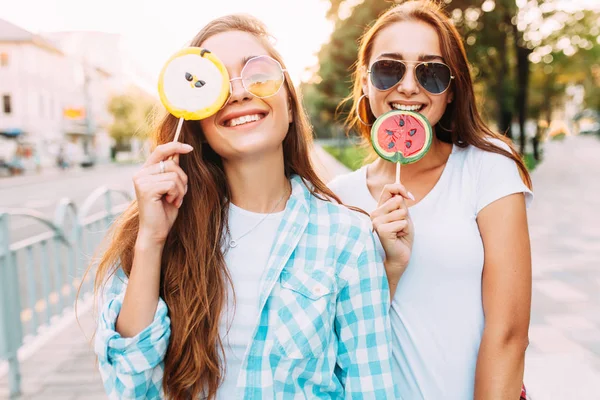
[(250, 149)]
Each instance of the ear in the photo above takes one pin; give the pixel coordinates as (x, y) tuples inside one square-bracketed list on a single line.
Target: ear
[(364, 80), (450, 97)]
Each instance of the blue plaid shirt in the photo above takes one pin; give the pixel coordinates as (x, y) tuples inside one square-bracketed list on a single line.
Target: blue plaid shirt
[(323, 330)]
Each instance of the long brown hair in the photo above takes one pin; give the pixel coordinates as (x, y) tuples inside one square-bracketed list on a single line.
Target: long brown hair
[(194, 276), (461, 123)]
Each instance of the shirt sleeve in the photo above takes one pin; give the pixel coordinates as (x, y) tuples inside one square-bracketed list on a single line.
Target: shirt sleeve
[(363, 327), (499, 177), (131, 368)]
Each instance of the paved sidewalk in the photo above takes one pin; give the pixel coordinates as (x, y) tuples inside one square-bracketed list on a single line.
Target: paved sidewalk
[(63, 368), (563, 360), (53, 173)]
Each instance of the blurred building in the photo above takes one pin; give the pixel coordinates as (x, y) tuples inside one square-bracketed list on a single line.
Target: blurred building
[(106, 51), (98, 55), (36, 85), (54, 91)]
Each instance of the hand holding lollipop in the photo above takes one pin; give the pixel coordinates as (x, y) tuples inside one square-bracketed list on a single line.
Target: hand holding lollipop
[(402, 137), (193, 84)]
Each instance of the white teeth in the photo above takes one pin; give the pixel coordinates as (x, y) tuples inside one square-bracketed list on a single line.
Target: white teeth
[(403, 107), (244, 120)]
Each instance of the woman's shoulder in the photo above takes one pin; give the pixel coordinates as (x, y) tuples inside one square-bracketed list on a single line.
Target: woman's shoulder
[(348, 180), (495, 174), (339, 225), (475, 153), (326, 212), (339, 214), (346, 234), (351, 187), (478, 161)]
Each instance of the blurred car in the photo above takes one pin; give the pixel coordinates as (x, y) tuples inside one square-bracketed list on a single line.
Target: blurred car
[(589, 126), (87, 160), (8, 148), (588, 122)]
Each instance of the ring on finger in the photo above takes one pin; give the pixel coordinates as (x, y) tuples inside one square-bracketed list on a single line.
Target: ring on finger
[(161, 165)]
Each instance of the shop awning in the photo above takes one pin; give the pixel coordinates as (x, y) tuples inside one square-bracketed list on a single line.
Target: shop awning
[(14, 132)]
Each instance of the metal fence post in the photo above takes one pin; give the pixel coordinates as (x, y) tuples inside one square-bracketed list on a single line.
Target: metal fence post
[(11, 330), (12, 255), (65, 214), (109, 210)]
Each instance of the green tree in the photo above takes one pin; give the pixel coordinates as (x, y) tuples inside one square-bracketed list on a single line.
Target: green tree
[(488, 31), (131, 113), (571, 55), (505, 36), (592, 85)]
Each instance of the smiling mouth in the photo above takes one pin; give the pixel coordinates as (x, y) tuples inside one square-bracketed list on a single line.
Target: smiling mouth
[(243, 120), (404, 107)]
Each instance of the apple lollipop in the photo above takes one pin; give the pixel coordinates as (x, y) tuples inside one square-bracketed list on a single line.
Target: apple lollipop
[(193, 84)]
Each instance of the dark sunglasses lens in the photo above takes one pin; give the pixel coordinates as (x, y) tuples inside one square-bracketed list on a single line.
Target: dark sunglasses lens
[(386, 73), (433, 77)]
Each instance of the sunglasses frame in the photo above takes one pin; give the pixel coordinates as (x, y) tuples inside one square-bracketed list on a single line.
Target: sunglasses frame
[(283, 71), (416, 64)]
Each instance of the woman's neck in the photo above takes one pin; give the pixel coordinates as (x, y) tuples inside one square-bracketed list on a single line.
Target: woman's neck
[(258, 184)]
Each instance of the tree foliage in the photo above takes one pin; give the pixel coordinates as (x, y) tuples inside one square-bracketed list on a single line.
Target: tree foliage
[(131, 113)]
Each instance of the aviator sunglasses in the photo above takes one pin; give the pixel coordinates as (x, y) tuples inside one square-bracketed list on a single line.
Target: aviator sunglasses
[(435, 77)]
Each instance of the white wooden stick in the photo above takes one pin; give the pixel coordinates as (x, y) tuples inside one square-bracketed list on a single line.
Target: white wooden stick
[(397, 172), (178, 131)]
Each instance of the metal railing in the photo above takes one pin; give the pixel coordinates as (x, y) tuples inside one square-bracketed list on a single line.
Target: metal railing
[(40, 275)]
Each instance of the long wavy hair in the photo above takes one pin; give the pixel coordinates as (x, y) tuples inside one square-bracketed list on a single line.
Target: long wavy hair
[(461, 123), (194, 277)]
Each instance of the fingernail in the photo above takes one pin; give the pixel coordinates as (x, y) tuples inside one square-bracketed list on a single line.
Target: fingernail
[(185, 190), (410, 196), (187, 146)]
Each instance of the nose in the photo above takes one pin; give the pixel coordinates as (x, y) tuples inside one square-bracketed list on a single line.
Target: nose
[(408, 85), (238, 91)]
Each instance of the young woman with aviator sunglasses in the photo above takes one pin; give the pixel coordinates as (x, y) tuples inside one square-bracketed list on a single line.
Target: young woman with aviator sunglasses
[(454, 234), (231, 276)]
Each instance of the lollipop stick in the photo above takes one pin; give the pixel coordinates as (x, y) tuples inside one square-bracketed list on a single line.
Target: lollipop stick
[(178, 131), (398, 172)]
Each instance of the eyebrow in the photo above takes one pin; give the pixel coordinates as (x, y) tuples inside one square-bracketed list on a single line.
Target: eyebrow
[(246, 59), (422, 57)]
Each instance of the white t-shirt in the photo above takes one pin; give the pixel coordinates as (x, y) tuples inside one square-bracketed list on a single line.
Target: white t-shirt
[(437, 313), (246, 264)]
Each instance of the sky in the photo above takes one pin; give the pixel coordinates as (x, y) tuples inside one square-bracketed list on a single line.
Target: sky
[(152, 30)]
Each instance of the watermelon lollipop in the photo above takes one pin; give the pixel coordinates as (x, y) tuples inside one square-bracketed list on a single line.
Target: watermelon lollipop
[(402, 137)]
